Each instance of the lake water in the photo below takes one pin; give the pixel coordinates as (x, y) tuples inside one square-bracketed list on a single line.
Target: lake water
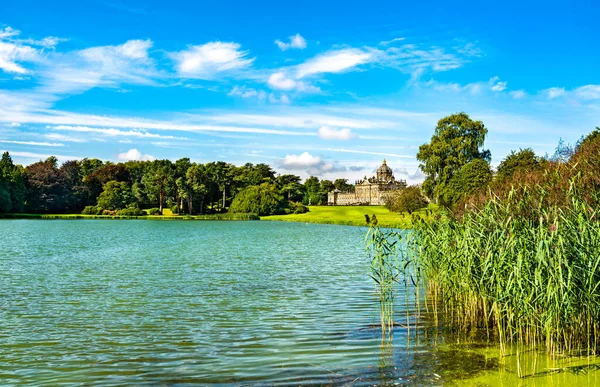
[(100, 302)]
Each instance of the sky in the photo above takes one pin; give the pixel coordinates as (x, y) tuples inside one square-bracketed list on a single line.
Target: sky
[(311, 88)]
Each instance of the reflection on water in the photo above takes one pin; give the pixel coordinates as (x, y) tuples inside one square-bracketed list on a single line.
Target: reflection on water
[(252, 303)]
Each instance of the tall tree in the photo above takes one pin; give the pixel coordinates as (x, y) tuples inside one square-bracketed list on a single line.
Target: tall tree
[(197, 182), (222, 174), (12, 185), (181, 190), (313, 191), (158, 181), (46, 188), (343, 185), (456, 141), (115, 196), (472, 177), (523, 160)]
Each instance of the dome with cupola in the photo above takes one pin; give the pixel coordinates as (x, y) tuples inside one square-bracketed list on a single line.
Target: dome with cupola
[(384, 173)]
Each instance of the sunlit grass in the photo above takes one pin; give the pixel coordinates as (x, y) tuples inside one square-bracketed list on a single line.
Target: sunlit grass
[(355, 216)]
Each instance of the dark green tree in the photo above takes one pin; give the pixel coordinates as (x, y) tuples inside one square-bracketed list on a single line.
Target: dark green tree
[(46, 189), (115, 196), (343, 185), (222, 174), (12, 185), (312, 186), (409, 199), (197, 181), (158, 180), (456, 141), (523, 160), (474, 176), (263, 200)]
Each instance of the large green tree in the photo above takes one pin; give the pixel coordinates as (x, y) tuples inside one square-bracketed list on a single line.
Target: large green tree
[(197, 182), (472, 177), (523, 160), (12, 185), (457, 140), (408, 199), (46, 189), (158, 180), (264, 199), (115, 196)]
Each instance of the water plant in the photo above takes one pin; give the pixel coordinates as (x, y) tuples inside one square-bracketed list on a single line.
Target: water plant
[(382, 250)]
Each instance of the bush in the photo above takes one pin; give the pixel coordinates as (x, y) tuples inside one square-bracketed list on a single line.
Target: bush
[(153, 211), (92, 210), (131, 210), (262, 200), (297, 208), (408, 199), (109, 212)]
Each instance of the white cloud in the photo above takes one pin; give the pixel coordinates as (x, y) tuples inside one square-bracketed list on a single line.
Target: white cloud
[(388, 42), (208, 60), (496, 85), (105, 66), (295, 41), (134, 154), (32, 143), (280, 82), (328, 133), (302, 161), (247, 92), (14, 50), (554, 92), (12, 53), (15, 124), (518, 94), (113, 132), (62, 137), (334, 61), (283, 99), (588, 92)]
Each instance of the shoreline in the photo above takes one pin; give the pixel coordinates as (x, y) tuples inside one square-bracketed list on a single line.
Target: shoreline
[(141, 217)]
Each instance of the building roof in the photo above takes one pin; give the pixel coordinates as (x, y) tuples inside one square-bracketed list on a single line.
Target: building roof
[(384, 168)]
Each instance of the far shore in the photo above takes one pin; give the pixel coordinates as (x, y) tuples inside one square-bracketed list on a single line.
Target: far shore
[(142, 217)]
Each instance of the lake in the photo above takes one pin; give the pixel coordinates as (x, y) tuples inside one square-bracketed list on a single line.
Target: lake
[(101, 302)]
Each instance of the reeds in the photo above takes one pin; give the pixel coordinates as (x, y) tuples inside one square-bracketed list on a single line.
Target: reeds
[(526, 280), (382, 249)]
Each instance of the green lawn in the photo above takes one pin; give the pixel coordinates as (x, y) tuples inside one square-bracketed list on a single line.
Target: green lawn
[(353, 216)]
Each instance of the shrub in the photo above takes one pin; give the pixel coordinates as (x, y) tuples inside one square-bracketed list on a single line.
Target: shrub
[(408, 199), (131, 210), (109, 212), (262, 200), (297, 208), (153, 211), (92, 210)]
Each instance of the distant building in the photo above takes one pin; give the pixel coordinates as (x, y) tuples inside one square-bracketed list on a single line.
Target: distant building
[(371, 191)]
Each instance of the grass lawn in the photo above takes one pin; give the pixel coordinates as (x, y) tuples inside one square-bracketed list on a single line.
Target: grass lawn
[(353, 216)]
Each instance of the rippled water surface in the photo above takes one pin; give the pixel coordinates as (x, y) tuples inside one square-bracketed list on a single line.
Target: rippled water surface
[(92, 302)]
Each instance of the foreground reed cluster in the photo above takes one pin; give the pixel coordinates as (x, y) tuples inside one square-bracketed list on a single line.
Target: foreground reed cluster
[(528, 281), (520, 261)]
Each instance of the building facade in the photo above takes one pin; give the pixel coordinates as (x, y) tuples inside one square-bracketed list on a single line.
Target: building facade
[(368, 191)]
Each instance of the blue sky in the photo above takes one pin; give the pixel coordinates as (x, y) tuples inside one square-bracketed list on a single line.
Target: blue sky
[(324, 88)]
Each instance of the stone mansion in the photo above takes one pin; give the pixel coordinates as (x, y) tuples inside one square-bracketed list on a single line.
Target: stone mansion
[(371, 191)]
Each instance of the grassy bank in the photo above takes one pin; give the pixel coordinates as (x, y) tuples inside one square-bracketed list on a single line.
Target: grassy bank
[(145, 217), (354, 216)]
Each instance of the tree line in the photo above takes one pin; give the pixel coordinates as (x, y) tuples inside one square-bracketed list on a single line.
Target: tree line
[(457, 167), (93, 186)]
